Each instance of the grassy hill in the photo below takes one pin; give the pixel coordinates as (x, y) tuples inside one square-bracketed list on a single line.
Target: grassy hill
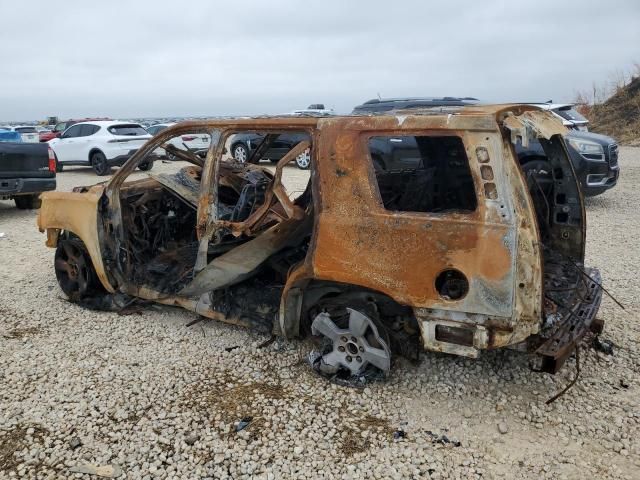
[(619, 116)]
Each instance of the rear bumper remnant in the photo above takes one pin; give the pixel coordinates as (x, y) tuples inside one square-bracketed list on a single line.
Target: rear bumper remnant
[(572, 324)]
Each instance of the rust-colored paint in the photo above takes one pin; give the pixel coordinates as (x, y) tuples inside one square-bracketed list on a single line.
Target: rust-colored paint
[(401, 253), (76, 213)]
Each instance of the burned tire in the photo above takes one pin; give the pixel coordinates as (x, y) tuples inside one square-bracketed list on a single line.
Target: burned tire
[(28, 202), (74, 270), (100, 164)]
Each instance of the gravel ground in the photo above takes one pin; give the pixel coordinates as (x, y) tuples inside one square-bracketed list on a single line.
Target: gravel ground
[(148, 396)]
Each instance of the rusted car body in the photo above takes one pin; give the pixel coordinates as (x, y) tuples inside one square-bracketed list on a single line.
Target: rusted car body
[(469, 251)]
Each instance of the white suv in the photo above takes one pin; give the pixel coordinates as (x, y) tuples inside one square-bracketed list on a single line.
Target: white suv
[(100, 144)]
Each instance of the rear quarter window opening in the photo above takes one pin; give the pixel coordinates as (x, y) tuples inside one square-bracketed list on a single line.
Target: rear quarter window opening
[(419, 173)]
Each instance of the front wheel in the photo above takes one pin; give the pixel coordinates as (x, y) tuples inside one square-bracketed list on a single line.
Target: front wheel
[(74, 270), (28, 202), (99, 164)]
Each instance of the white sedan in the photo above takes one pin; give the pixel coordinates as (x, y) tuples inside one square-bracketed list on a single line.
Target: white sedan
[(99, 144), (197, 143)]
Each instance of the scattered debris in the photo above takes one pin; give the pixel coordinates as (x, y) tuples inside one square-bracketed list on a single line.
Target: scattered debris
[(191, 438), (75, 442), (398, 434), (196, 321), (268, 342), (571, 383), (106, 471), (503, 428), (231, 349), (604, 346), (443, 439), (624, 383), (244, 423), (2, 235)]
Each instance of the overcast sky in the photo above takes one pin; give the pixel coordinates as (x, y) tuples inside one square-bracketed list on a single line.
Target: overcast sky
[(131, 58)]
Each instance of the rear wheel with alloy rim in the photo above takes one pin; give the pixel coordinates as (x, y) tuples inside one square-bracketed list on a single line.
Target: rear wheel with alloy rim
[(353, 342)]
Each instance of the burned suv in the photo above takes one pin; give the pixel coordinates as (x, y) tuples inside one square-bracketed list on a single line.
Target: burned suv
[(455, 251)]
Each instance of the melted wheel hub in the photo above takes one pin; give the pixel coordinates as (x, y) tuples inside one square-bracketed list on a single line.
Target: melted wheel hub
[(353, 348)]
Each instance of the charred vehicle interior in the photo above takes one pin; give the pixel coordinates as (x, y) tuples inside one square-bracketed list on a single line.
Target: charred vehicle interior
[(414, 232), (160, 243)]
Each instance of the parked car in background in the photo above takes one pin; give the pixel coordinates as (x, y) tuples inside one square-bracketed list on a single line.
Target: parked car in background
[(243, 147), (314, 109), (197, 143), (28, 133), (99, 144), (48, 135), (594, 157), (379, 105), (62, 126), (26, 170), (571, 118), (44, 133)]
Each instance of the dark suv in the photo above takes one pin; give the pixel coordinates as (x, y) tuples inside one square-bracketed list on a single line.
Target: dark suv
[(594, 157), (244, 145)]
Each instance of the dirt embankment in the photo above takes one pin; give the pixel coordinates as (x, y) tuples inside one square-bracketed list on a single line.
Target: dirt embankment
[(619, 116)]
